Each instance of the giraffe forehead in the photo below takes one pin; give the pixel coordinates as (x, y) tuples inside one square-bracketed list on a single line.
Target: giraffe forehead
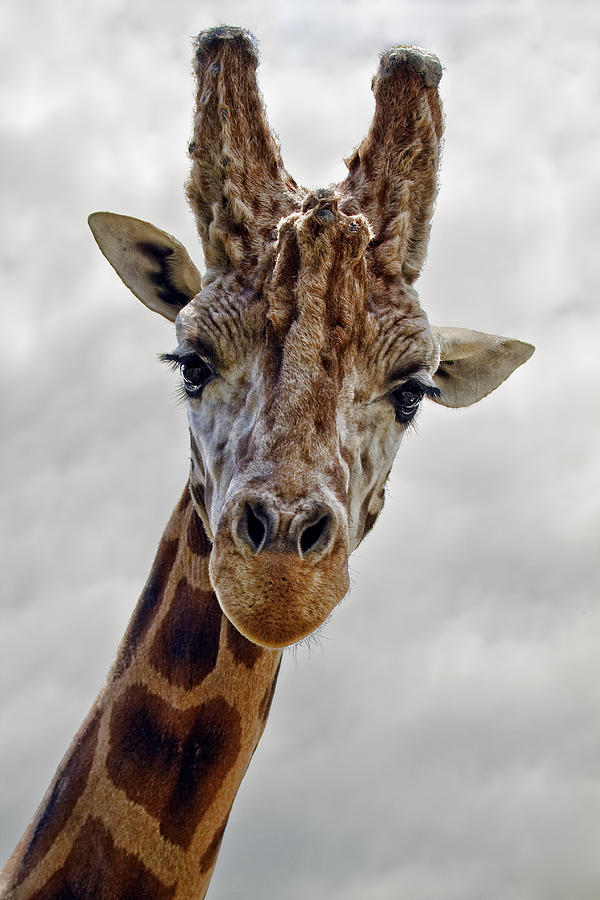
[(352, 359), (317, 301)]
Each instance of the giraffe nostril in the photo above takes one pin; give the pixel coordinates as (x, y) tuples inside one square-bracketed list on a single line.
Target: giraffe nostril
[(315, 536), (261, 526), (253, 526)]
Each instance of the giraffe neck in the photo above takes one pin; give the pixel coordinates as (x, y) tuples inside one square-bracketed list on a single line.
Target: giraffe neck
[(140, 802)]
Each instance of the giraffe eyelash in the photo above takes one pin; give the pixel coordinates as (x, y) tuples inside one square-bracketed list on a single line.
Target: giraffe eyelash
[(431, 390), (427, 389), (180, 395), (172, 360)]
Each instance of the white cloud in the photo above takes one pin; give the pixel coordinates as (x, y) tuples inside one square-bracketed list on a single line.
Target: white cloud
[(442, 745)]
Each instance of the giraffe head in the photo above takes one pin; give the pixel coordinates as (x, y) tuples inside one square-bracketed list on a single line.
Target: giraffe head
[(303, 350)]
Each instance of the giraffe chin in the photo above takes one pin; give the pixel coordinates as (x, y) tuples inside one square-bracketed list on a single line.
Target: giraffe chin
[(275, 599)]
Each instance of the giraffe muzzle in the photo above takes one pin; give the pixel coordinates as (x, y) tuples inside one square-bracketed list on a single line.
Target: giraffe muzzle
[(279, 569)]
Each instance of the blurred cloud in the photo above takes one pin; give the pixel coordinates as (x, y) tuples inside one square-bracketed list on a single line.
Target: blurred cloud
[(441, 744)]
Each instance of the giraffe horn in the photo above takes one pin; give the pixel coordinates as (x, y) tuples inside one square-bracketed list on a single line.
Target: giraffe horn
[(238, 187), (393, 173)]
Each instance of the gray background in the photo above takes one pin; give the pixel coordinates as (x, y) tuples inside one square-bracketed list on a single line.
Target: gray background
[(442, 742)]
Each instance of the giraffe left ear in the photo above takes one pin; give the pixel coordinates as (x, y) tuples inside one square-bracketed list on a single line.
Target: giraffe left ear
[(154, 265), (473, 364)]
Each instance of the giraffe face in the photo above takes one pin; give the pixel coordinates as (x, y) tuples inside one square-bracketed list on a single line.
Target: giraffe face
[(300, 388), (303, 349)]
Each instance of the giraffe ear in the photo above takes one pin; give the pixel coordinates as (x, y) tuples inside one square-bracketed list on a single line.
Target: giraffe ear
[(473, 364), (154, 265)]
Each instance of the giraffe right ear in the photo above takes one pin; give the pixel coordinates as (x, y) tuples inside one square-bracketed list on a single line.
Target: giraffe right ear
[(154, 265)]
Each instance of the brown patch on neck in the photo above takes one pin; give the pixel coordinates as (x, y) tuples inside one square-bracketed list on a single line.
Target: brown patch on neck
[(96, 869), (68, 786), (154, 589), (172, 762), (209, 858), (148, 604), (198, 492), (243, 650), (197, 541), (186, 646)]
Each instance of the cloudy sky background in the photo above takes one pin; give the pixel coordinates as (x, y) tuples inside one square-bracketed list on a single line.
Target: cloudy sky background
[(443, 742)]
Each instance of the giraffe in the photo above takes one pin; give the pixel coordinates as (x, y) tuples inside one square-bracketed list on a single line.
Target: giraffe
[(304, 356)]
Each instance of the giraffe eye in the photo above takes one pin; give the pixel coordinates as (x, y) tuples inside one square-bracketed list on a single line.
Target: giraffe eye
[(406, 399), (196, 374)]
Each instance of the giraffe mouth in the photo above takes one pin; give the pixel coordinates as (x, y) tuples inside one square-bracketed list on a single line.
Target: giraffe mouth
[(276, 599)]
